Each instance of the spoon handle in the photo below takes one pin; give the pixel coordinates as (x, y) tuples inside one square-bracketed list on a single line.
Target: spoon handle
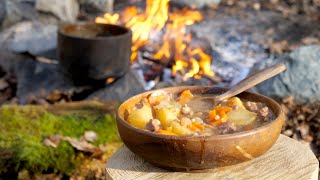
[(252, 80)]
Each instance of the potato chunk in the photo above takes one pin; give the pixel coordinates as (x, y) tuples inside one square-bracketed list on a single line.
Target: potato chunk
[(140, 117), (157, 97), (180, 130), (241, 117), (167, 115), (235, 101)]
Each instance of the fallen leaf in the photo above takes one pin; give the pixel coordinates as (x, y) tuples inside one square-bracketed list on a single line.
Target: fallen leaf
[(90, 136), (52, 141), (81, 145)]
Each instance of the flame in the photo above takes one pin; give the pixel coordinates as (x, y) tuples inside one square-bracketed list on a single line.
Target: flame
[(175, 41), (204, 62), (108, 19), (195, 68), (110, 80)]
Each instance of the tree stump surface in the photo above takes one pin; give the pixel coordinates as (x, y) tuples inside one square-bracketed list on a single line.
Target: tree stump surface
[(287, 159)]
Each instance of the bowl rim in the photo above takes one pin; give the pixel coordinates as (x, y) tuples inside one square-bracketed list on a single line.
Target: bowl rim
[(62, 25), (265, 127)]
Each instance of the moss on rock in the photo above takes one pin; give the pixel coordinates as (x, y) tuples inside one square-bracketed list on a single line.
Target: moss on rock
[(23, 128)]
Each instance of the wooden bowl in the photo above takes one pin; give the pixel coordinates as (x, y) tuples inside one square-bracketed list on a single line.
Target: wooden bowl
[(182, 153)]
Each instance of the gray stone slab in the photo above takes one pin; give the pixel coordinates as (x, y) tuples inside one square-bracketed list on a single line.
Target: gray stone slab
[(40, 79), (301, 79), (3, 10), (122, 89), (66, 10), (29, 36)]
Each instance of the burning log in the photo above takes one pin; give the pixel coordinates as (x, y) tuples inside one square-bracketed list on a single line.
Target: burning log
[(157, 61)]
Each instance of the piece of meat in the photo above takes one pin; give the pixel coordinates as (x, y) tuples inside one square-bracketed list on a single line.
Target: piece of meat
[(153, 125), (227, 128), (142, 102), (197, 119), (185, 109), (156, 97), (252, 106), (232, 126), (139, 105), (263, 112)]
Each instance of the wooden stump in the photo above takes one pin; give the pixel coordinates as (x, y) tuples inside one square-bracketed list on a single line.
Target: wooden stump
[(287, 159)]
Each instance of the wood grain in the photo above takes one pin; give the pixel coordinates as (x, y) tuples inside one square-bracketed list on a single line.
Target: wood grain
[(287, 159), (252, 80)]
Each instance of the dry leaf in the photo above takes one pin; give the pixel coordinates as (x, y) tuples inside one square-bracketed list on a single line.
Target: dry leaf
[(52, 141), (90, 136), (81, 145)]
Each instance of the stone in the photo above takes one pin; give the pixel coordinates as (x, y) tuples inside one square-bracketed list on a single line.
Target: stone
[(39, 80), (123, 88), (32, 37), (196, 3), (240, 40), (3, 10), (98, 5), (165, 84), (300, 80), (9, 60), (66, 10), (17, 10)]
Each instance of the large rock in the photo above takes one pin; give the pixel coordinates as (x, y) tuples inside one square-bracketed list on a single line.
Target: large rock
[(16, 11), (2, 10), (31, 37), (301, 79), (9, 60), (240, 39), (98, 5), (125, 87), (66, 10), (38, 80)]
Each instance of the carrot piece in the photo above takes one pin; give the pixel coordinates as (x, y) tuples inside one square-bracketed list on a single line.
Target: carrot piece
[(185, 96), (165, 132), (217, 122), (198, 125), (225, 109), (192, 127), (222, 115), (216, 114), (212, 114), (219, 114)]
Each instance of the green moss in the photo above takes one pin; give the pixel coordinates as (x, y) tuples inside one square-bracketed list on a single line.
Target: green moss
[(22, 130)]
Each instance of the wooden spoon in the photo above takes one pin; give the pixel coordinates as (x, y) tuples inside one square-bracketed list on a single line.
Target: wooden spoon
[(243, 85)]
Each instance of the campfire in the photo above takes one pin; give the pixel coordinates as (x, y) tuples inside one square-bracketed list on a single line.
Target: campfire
[(165, 31), (66, 66)]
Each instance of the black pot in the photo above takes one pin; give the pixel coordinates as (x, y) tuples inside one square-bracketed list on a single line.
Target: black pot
[(91, 52)]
